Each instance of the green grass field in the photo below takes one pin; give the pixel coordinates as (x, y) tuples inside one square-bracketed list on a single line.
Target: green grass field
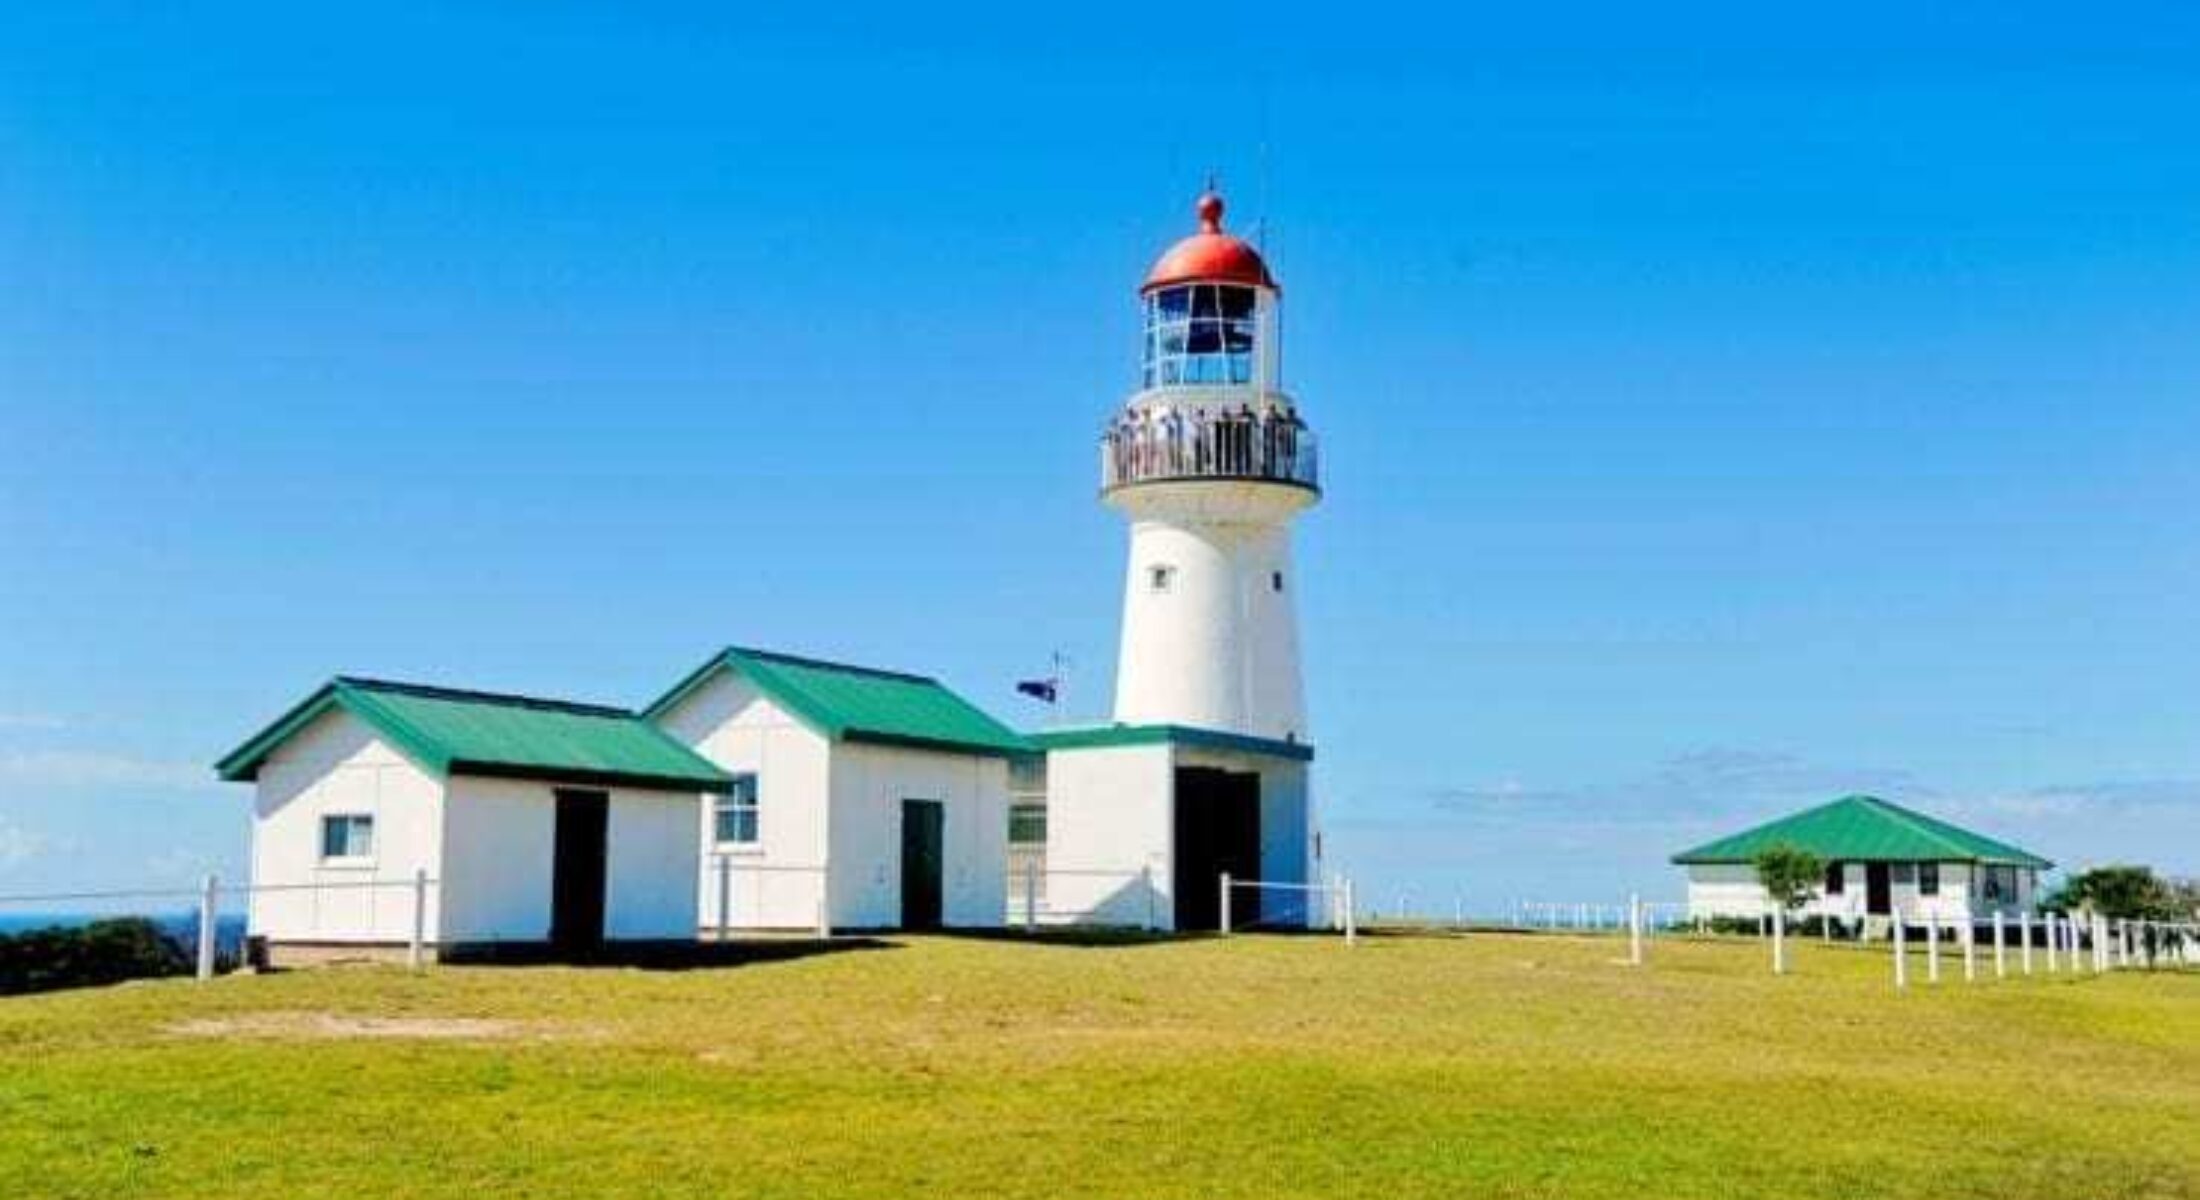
[(1255, 1067)]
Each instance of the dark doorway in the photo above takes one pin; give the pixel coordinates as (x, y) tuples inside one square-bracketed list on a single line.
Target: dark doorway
[(577, 872), (1217, 830), (1878, 893), (923, 829)]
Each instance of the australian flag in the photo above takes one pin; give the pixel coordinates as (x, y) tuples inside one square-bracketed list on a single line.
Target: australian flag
[(1047, 690)]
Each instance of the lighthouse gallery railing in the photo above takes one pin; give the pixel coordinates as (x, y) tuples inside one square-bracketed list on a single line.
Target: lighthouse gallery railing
[(1273, 447)]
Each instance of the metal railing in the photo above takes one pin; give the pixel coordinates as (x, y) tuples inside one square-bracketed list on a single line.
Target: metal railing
[(1273, 446)]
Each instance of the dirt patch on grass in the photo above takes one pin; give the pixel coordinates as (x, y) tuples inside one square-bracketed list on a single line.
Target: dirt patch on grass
[(338, 1027)]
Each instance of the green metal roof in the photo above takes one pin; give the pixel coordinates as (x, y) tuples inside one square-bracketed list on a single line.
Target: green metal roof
[(1864, 829), (1101, 736), (449, 732), (864, 704)]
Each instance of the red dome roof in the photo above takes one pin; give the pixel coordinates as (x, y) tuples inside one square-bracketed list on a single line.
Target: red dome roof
[(1210, 256)]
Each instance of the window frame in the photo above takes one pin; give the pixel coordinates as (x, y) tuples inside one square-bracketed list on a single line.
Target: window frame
[(1026, 809), (1837, 879), (1160, 578), (731, 803), (1928, 879), (1181, 314), (352, 822)]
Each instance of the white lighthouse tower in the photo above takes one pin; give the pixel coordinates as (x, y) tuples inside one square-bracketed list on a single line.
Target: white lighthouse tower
[(1210, 462)]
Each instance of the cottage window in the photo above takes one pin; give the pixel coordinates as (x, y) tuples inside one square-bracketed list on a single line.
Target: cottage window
[(1027, 824), (347, 836), (1928, 879), (733, 815), (1836, 879), (1160, 577)]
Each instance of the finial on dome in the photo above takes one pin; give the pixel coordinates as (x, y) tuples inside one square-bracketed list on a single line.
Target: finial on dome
[(1210, 210)]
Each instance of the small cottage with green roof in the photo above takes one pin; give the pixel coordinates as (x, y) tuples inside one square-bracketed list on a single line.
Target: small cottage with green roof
[(762, 791), (860, 797), (491, 820), (1881, 859)]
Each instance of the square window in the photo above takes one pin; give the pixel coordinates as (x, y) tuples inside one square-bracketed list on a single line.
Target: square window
[(1928, 879), (734, 814), (1027, 824), (1275, 581), (347, 835), (1160, 577), (1836, 879)]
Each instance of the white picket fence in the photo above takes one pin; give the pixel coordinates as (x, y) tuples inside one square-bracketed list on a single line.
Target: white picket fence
[(2085, 942)]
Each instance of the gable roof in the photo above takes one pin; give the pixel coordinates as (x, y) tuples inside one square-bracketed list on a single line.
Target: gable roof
[(452, 732), (1864, 829), (863, 704)]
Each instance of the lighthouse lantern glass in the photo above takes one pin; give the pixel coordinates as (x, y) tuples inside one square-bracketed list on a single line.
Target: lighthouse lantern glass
[(1199, 334)]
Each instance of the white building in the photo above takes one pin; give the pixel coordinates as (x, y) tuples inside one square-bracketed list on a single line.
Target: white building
[(1203, 772), (1882, 860), (865, 798), (768, 791), (536, 823)]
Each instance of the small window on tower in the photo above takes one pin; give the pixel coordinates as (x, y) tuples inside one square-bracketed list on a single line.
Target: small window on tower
[(1160, 577), (1275, 581)]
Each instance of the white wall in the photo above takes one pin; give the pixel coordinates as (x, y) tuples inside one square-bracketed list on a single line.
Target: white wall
[(499, 845), (1109, 824), (779, 882), (869, 782), (650, 865), (500, 840), (1218, 648), (1732, 890), (338, 765)]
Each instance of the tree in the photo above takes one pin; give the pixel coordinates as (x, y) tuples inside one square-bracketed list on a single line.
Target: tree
[(1789, 874), (2121, 893)]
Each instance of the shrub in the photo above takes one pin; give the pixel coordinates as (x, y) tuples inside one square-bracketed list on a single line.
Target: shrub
[(100, 952)]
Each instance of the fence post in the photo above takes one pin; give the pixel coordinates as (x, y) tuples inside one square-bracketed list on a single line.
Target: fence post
[(1901, 955), (209, 895), (1634, 929), (1779, 941), (1031, 897), (1969, 937), (2024, 940), (725, 899), (420, 918), (2001, 953), (1351, 919), (1932, 949), (1224, 910)]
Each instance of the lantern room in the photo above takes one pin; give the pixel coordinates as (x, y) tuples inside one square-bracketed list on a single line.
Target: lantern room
[(1211, 315)]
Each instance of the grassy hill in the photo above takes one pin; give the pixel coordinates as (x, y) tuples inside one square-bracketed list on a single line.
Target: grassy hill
[(1256, 1067)]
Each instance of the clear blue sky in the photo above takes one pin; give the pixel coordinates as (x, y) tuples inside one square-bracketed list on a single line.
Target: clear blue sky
[(1723, 408)]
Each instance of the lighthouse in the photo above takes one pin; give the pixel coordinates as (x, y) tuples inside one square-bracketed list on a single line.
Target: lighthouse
[(1192, 807), (1209, 461)]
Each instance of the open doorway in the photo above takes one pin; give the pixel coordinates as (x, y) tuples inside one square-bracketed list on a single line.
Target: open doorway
[(1217, 828), (923, 842), (577, 872)]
